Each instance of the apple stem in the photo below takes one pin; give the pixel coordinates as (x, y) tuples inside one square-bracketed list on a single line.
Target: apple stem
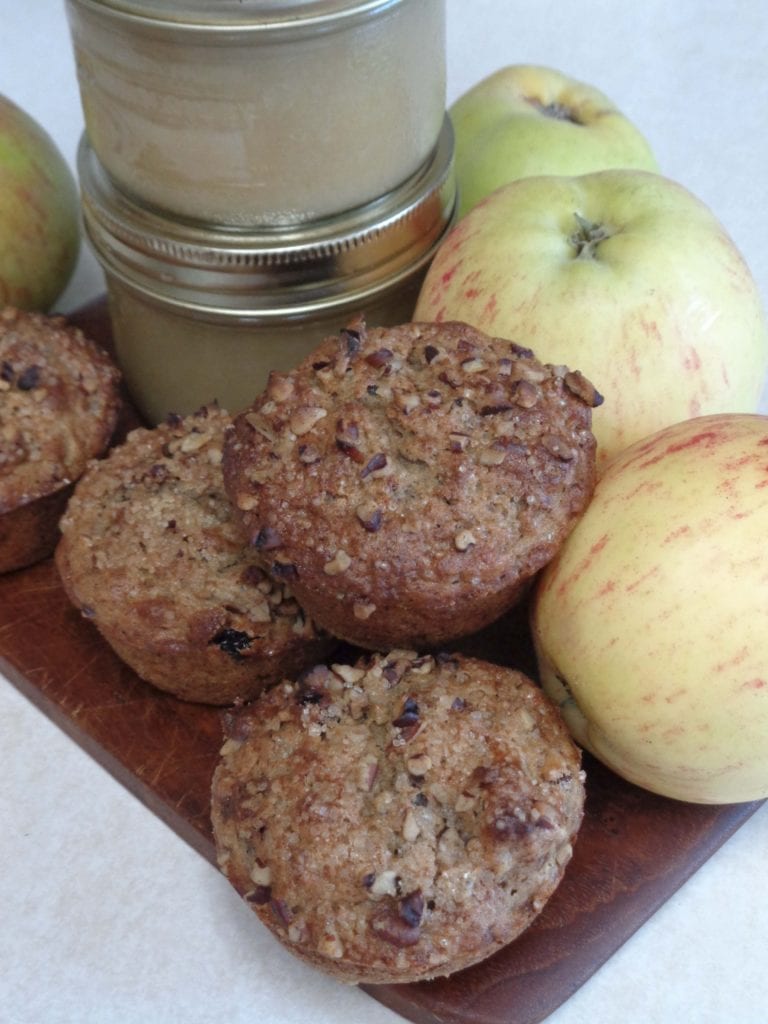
[(587, 237)]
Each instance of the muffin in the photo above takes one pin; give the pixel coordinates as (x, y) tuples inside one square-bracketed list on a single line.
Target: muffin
[(59, 402), (410, 481), (400, 818), (151, 553)]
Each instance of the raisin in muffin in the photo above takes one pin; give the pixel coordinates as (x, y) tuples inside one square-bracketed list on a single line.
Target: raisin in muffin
[(410, 481), (400, 818), (152, 554), (59, 402)]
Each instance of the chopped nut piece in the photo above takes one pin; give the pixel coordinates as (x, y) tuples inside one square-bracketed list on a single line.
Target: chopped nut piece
[(368, 771), (584, 389), (260, 612), (305, 417), (338, 564), (194, 441), (349, 449), (379, 358), (267, 539), (279, 387), (246, 502), (408, 402), (363, 610), (491, 456), (369, 516), (375, 465), (564, 854), (423, 666), (411, 828), (419, 765), (409, 714), (261, 874), (473, 365), (258, 474), (330, 946), (385, 884), (254, 420), (464, 802), (308, 455), (526, 394), (558, 447), (464, 540), (458, 442)]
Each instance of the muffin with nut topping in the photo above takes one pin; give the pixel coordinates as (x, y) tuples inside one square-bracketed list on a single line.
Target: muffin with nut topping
[(59, 403), (152, 554), (410, 481), (399, 818)]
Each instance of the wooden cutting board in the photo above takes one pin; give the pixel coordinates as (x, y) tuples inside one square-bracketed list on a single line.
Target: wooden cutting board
[(634, 849)]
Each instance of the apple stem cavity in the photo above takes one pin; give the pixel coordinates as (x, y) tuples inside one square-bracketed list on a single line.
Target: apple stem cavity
[(559, 111), (587, 237)]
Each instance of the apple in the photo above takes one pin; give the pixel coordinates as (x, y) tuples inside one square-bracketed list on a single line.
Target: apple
[(526, 120), (651, 624), (622, 274), (39, 213)]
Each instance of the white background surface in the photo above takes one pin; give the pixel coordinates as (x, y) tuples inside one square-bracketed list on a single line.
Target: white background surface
[(105, 915)]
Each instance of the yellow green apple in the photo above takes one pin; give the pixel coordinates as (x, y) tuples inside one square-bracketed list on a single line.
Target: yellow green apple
[(622, 274), (39, 213), (651, 624), (526, 120)]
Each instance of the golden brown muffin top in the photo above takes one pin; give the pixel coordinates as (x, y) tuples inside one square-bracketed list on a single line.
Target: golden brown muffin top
[(401, 817), (426, 460), (150, 533)]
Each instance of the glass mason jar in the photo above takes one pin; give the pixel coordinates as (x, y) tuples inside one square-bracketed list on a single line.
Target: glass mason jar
[(202, 313), (245, 112)]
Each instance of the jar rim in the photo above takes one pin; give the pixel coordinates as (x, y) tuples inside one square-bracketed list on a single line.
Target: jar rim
[(315, 264), (259, 16)]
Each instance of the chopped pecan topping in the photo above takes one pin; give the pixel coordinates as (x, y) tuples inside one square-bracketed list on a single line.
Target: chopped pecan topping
[(409, 714), (266, 539), (578, 385), (474, 365), (351, 339), (400, 927), (558, 447), (379, 358), (305, 417), (375, 463), (526, 394), (370, 517), (363, 610), (349, 449), (464, 540), (284, 570), (338, 564)]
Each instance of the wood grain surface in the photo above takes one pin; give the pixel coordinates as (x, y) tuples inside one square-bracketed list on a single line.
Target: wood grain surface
[(634, 849)]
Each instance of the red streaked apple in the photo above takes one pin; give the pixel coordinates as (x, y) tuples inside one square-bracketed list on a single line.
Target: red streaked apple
[(526, 120), (39, 213), (651, 624), (623, 274)]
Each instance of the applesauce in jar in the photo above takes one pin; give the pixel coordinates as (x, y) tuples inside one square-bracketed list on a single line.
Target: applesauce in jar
[(244, 112), (202, 314)]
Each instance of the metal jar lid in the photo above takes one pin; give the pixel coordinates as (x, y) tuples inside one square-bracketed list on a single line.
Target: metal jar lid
[(271, 273), (250, 16)]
